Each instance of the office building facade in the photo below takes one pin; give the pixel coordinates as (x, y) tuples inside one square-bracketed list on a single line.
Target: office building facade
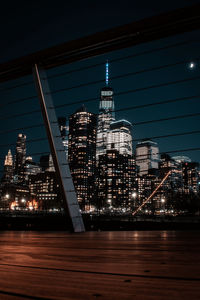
[(119, 137), (20, 156), (147, 156), (115, 180), (82, 155)]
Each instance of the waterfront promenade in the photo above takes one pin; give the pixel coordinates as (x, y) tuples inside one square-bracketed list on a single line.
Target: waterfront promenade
[(100, 265)]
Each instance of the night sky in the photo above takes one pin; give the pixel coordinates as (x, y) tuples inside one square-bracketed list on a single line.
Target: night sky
[(28, 27)]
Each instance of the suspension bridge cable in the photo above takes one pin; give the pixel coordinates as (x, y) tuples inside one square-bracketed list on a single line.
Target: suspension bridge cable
[(153, 137), (134, 124), (165, 84), (123, 76), (34, 154), (167, 119), (139, 139), (160, 120), (97, 98), (20, 115), (16, 86), (27, 142), (168, 135), (163, 152), (39, 153), (193, 97), (17, 101), (158, 103), (116, 110), (123, 58), (21, 128), (115, 77), (182, 150), (170, 151)]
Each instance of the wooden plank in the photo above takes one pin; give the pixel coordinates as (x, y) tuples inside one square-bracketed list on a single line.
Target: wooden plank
[(53, 284), (102, 261), (107, 265), (141, 259)]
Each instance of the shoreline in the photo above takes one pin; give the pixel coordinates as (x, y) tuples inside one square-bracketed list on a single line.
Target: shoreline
[(58, 221)]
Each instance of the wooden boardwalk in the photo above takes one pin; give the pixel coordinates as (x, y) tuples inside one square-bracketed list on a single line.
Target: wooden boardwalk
[(100, 265)]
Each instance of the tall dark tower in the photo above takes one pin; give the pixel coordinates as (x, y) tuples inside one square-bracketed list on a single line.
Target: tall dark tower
[(105, 117), (82, 155), (62, 125), (64, 130), (20, 155)]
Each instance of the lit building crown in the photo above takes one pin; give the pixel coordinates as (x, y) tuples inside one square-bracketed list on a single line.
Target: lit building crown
[(8, 159), (106, 103), (120, 137)]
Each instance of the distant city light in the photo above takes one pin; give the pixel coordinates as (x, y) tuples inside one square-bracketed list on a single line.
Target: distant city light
[(163, 200), (134, 194), (191, 65)]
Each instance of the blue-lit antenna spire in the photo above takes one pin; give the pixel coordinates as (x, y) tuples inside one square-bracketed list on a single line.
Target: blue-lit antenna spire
[(107, 73)]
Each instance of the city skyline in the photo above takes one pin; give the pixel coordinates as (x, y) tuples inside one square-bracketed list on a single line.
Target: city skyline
[(185, 53), (99, 149), (155, 90), (148, 130), (107, 89), (107, 172)]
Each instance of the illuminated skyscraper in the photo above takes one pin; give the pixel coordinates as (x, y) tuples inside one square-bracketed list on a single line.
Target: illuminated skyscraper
[(82, 155), (147, 156), (116, 180), (105, 117), (115, 163), (119, 137), (8, 167), (190, 174), (30, 167), (20, 155), (45, 189)]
